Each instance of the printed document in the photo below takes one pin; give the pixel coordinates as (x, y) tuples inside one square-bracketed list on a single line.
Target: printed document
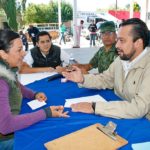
[(90, 99)]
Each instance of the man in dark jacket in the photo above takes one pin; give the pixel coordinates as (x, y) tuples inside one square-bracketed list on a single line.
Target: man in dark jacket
[(92, 28), (43, 57), (33, 32)]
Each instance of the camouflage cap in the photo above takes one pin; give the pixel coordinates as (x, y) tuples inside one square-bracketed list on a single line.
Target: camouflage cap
[(108, 26)]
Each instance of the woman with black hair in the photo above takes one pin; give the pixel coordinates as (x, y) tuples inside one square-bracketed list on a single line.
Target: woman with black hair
[(12, 92)]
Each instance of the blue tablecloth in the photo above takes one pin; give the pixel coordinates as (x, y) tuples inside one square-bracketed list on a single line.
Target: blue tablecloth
[(34, 137)]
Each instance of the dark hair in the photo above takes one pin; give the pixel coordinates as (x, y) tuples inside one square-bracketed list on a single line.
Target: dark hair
[(42, 33), (6, 39), (81, 21), (139, 30), (6, 26)]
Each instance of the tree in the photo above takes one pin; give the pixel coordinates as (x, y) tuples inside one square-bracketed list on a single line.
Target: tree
[(23, 4), (67, 12), (37, 13), (136, 7), (53, 8), (9, 7), (47, 13)]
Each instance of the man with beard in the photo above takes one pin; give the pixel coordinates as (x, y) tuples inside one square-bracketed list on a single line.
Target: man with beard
[(128, 75)]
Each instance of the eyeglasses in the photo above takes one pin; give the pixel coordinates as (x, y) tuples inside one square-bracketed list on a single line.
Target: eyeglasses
[(106, 33)]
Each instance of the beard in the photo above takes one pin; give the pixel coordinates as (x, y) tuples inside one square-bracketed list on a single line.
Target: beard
[(124, 57), (127, 57)]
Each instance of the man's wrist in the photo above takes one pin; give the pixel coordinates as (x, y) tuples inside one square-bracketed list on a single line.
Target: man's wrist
[(51, 69), (82, 80)]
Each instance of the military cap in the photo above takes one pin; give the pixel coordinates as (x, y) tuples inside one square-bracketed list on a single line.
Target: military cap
[(108, 26)]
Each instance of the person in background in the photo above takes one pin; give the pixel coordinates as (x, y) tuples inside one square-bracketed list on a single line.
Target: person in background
[(62, 33), (24, 40), (12, 92), (5, 25), (105, 55), (78, 34), (44, 57), (92, 29), (33, 32), (128, 75)]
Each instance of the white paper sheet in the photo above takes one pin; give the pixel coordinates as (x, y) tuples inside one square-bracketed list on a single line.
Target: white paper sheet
[(32, 77), (141, 146), (94, 98), (34, 104)]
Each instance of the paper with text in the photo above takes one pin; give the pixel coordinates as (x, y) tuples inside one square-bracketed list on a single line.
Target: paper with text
[(94, 98), (34, 104)]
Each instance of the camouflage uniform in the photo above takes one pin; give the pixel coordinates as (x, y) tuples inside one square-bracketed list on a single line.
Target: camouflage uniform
[(103, 59)]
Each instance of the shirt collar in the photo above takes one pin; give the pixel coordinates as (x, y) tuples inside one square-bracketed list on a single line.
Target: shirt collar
[(129, 65)]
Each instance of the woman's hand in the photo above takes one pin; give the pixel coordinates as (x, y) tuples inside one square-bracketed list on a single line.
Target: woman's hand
[(40, 96), (57, 111)]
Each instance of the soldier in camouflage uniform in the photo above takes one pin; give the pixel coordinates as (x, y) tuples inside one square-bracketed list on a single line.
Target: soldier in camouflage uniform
[(103, 58), (107, 53)]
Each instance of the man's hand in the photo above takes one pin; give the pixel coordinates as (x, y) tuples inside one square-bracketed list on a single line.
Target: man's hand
[(51, 69), (60, 69), (84, 107), (41, 96), (75, 75), (57, 111)]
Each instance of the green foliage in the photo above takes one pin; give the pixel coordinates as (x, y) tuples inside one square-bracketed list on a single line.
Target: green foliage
[(47, 13), (2, 13), (53, 8), (37, 13), (9, 7), (23, 4), (67, 12), (136, 7)]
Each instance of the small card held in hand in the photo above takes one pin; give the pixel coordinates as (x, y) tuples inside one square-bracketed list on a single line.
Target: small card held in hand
[(34, 104)]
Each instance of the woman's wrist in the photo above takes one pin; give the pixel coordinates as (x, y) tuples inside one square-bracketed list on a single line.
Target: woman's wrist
[(48, 112)]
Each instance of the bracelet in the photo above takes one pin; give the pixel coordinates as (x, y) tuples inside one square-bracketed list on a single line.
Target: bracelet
[(48, 112)]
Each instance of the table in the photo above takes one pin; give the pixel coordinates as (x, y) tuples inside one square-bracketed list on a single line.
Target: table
[(34, 137)]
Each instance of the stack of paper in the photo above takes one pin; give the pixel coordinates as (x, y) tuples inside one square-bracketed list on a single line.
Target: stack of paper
[(90, 99)]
